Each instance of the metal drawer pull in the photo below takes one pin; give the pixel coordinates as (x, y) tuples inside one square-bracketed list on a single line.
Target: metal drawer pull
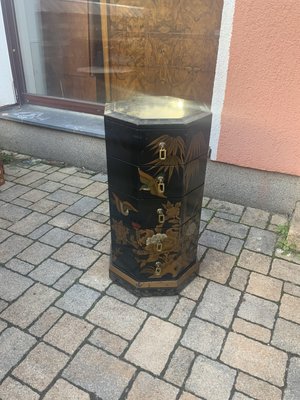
[(157, 268), (161, 216), (160, 184), (159, 246), (162, 151)]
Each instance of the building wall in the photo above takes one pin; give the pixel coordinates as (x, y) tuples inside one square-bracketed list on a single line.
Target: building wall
[(7, 93), (260, 124)]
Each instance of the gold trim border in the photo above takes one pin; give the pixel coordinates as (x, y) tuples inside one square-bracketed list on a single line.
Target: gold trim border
[(155, 284)]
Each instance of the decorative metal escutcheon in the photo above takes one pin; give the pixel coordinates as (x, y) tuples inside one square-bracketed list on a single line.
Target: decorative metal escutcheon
[(162, 151), (159, 246), (158, 268), (160, 184), (161, 216)]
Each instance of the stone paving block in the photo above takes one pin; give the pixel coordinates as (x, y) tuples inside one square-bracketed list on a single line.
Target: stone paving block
[(78, 299), (36, 253), (147, 387), (161, 306), (3, 325), (45, 322), (100, 177), (97, 217), (106, 314), (67, 280), (261, 241), (15, 170), (99, 373), (94, 190), (257, 310), (12, 285), (83, 241), (234, 246), (216, 266), (14, 344), (76, 256), (49, 186), (230, 217), (291, 257), (104, 196), (153, 345), (239, 278), (64, 220), (29, 223), (286, 336), (37, 233), (241, 396), (68, 333), (71, 189), (41, 366), (255, 217), (194, 289), (4, 223), (122, 294), (279, 219), (182, 312), (228, 228), (13, 213), (206, 214), (214, 240), (83, 206), (256, 388), (292, 289), (44, 206), (285, 270), (293, 382), (30, 305), (225, 206), (13, 246), (211, 379), (104, 245), (179, 366), (103, 208), (212, 337), (97, 276), (3, 305), (64, 390), (260, 360), (30, 178), (13, 192), (264, 286), (108, 342), (202, 226), (89, 228), (57, 176), (57, 210), (218, 304), (56, 237), (76, 181), (14, 390), (34, 195), (21, 203), (49, 271), (69, 170), (252, 330), (65, 197), (254, 262), (188, 396), (41, 167)]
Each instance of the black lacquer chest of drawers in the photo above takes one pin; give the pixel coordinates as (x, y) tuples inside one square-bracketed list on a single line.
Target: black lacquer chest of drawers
[(156, 160)]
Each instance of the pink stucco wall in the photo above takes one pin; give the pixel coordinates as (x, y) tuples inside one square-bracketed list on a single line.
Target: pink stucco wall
[(260, 126)]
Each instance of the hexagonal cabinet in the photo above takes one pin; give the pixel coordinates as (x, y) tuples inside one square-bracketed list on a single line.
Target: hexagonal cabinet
[(156, 160)]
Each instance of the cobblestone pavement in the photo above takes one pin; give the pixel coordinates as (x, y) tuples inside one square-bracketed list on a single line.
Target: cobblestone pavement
[(68, 332)]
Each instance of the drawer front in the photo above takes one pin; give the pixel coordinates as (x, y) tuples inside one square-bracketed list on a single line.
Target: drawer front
[(163, 146), (155, 182), (154, 253), (149, 213)]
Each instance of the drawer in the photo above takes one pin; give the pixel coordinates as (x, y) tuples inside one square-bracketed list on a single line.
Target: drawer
[(151, 145), (154, 212), (154, 253), (155, 182)]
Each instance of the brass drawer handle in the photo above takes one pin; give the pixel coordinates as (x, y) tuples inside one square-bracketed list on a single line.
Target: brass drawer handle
[(160, 184), (158, 268), (161, 216), (162, 151), (159, 246)]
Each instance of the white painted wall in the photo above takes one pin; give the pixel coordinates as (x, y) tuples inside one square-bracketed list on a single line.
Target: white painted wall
[(221, 74), (7, 92)]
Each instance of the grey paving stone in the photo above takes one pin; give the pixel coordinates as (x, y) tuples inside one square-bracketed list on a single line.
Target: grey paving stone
[(254, 261), (89, 228), (14, 390), (266, 287), (36, 253), (43, 206), (291, 257), (261, 241), (65, 197), (13, 192), (255, 217), (230, 217), (12, 285), (251, 330), (284, 270), (12, 213), (3, 305), (94, 189), (239, 278), (104, 245), (212, 337), (29, 223), (206, 214), (234, 246), (292, 289), (78, 299), (14, 344), (30, 178), (97, 276), (216, 266), (4, 223), (218, 304), (211, 379), (286, 336), (50, 187), (103, 208), (15, 170), (214, 240), (188, 396), (257, 310), (30, 305), (68, 279), (194, 289), (108, 342), (106, 314), (182, 312), (103, 374), (122, 294), (202, 226), (19, 266), (45, 322), (36, 234), (83, 206), (57, 210), (257, 388), (3, 325), (41, 366), (179, 366), (160, 306), (225, 206), (76, 256), (241, 396), (64, 220), (13, 246), (69, 170), (100, 177), (97, 217), (292, 390), (76, 181), (228, 228), (64, 390), (21, 203), (49, 271), (56, 237), (4, 235), (34, 195), (147, 387), (83, 241), (57, 176)]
